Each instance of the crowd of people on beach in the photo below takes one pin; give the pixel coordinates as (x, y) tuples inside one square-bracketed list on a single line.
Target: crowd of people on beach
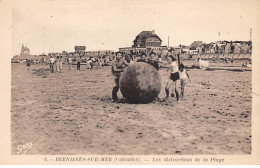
[(56, 63), (178, 75), (175, 84)]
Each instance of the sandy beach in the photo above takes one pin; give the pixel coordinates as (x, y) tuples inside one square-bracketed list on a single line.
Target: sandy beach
[(72, 113)]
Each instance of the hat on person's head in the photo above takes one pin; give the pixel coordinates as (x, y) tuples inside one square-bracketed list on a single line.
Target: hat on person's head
[(119, 52), (143, 54), (151, 53)]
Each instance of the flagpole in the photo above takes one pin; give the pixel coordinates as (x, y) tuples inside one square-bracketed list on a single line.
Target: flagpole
[(168, 40)]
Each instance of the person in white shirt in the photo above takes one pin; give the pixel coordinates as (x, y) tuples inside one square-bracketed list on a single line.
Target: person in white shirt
[(174, 78), (52, 61), (78, 62), (183, 78), (70, 62), (88, 64), (99, 63)]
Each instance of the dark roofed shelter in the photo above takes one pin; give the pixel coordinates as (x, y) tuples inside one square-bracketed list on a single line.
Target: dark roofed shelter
[(192, 48), (80, 48), (196, 44)]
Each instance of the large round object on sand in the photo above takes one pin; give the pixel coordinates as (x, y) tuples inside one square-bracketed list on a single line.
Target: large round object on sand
[(140, 83)]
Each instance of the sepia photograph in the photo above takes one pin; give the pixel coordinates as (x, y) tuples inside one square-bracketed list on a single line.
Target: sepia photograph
[(132, 78)]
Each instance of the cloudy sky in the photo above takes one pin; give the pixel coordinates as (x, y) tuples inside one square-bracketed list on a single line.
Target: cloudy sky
[(50, 25)]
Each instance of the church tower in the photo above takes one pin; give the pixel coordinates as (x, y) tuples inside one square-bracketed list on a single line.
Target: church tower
[(25, 50)]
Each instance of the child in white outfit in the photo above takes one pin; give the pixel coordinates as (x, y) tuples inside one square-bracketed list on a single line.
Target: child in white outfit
[(183, 78)]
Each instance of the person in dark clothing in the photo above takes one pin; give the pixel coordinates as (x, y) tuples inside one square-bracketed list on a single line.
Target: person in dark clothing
[(128, 59), (28, 64), (118, 66), (153, 60), (143, 58), (232, 60), (78, 63)]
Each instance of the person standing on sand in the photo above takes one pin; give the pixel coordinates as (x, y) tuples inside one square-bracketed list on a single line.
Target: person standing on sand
[(78, 62), (58, 64), (70, 62), (52, 61), (28, 64), (99, 63), (183, 79), (232, 59), (93, 63), (88, 64), (118, 66), (174, 78)]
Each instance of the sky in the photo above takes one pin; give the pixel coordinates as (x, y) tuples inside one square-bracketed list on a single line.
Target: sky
[(47, 26)]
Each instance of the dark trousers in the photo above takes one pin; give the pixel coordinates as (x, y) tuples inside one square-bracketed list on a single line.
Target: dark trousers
[(78, 65), (115, 89), (51, 67)]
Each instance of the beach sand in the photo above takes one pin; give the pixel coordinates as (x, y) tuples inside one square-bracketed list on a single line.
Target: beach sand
[(72, 113)]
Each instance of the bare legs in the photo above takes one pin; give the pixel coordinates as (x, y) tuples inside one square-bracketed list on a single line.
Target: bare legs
[(176, 87), (183, 83)]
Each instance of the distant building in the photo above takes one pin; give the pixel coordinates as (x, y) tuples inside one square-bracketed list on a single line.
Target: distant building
[(177, 49), (25, 51), (221, 47), (144, 42), (80, 48), (246, 47), (43, 55), (197, 47), (183, 49), (193, 50), (147, 39), (128, 49)]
